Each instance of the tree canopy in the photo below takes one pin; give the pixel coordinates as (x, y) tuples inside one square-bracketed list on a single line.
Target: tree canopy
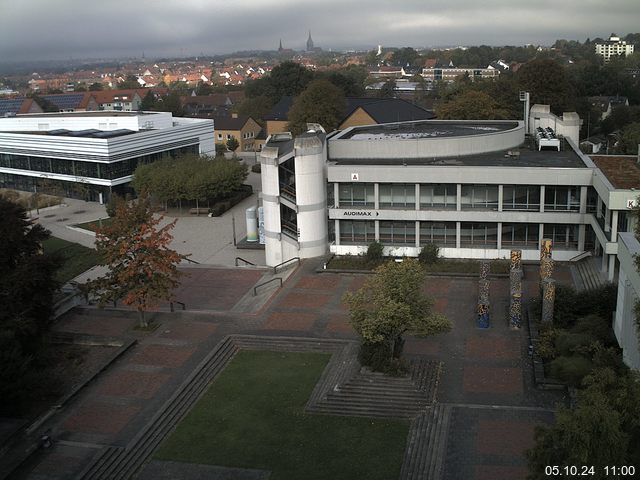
[(472, 105), (548, 83), (142, 269), (392, 303), (27, 286), (321, 102)]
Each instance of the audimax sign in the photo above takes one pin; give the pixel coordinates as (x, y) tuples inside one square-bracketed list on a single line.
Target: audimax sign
[(360, 213)]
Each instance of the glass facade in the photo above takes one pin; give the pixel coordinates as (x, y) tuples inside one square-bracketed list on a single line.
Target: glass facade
[(356, 195), (564, 237), (398, 233), (397, 195), (80, 168), (562, 198), (354, 232), (438, 196), (521, 197), (482, 197), (521, 235), (442, 234), (484, 235)]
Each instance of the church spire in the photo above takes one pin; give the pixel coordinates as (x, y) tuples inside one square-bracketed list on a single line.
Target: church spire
[(309, 43), (280, 47)]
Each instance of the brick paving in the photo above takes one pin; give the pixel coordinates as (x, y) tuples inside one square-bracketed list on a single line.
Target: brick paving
[(480, 367)]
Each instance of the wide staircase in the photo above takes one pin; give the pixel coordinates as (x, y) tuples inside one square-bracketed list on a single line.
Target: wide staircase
[(587, 273)]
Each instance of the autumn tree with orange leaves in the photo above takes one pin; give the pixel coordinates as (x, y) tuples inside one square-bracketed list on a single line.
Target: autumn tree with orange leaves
[(142, 270)]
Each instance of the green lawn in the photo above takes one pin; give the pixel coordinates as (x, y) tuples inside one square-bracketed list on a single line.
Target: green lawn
[(95, 224), (76, 259), (253, 416)]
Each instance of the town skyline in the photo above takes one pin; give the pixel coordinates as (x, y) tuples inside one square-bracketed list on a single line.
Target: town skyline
[(68, 29)]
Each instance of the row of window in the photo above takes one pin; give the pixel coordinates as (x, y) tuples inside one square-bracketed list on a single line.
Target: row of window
[(444, 196), (78, 168), (472, 234)]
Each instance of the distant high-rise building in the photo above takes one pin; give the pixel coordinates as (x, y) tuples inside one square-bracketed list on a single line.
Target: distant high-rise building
[(613, 47), (309, 43)]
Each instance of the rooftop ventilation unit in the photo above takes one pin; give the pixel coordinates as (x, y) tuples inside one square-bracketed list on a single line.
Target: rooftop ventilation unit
[(546, 137)]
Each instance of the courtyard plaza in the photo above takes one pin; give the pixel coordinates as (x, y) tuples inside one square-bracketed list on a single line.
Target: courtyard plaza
[(485, 388)]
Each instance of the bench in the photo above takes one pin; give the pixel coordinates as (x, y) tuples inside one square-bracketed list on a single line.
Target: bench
[(198, 211)]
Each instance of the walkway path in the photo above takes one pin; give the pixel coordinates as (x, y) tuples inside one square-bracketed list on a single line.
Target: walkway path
[(485, 409)]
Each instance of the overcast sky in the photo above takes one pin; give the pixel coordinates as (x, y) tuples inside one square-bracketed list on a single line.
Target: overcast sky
[(54, 29)]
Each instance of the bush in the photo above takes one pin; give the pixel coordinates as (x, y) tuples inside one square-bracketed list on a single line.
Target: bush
[(571, 369), (567, 343), (595, 326), (256, 168), (429, 254), (377, 357), (111, 205), (374, 252), (571, 305)]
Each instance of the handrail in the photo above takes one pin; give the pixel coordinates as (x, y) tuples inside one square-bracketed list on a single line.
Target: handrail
[(245, 261), (580, 256), (191, 261), (285, 262), (255, 292)]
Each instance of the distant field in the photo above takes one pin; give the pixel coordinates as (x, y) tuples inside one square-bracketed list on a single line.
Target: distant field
[(76, 258), (253, 416)]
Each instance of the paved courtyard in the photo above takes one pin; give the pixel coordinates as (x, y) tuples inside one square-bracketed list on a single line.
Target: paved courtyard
[(486, 379)]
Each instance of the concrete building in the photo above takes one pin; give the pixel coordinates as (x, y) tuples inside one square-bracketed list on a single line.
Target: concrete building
[(613, 48), (98, 151), (624, 324)]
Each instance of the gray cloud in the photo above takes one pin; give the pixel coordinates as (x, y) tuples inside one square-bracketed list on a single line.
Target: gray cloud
[(45, 29)]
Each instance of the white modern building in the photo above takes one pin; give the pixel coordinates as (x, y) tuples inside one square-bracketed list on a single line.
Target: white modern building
[(477, 189), (96, 150), (613, 48)]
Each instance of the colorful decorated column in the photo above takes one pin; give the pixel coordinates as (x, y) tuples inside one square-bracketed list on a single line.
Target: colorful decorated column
[(485, 268), (548, 299), (546, 269), (515, 305), (483, 304), (516, 259)]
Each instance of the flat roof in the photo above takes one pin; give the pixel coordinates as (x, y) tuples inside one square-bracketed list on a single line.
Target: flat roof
[(622, 171), (523, 156), (98, 113), (429, 129)]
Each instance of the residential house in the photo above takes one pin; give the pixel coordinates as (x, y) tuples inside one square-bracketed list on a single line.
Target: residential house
[(74, 102), (613, 48), (120, 100), (241, 127), (15, 106), (606, 104)]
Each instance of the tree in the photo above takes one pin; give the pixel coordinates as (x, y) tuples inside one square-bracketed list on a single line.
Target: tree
[(472, 105), (27, 286), (390, 304), (388, 89), (405, 57), (548, 83), (96, 87), (288, 78), (603, 429), (148, 102), (321, 102), (130, 81), (142, 269), (630, 139), (233, 144), (170, 103)]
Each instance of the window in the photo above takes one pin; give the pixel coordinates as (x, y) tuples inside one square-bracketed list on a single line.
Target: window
[(483, 235), (356, 195), (521, 197), (442, 234), (438, 196), (355, 232), (563, 236), (483, 197), (563, 199), (397, 195), (522, 235), (219, 136), (398, 233)]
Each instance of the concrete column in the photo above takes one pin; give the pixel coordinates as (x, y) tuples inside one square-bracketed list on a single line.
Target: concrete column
[(607, 220), (376, 199), (540, 235), (583, 199), (603, 264), (337, 231), (500, 199), (459, 197), (541, 200), (377, 230), (598, 207), (499, 234), (614, 225), (612, 267), (582, 235), (336, 194), (457, 234), (417, 196), (417, 234)]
